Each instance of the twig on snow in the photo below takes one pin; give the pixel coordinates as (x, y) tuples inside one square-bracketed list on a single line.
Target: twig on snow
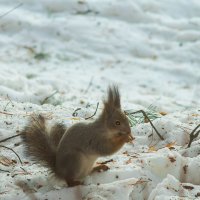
[(45, 100), (4, 170), (11, 10), (8, 103), (105, 162), (75, 114), (89, 85), (13, 152), (94, 112), (193, 135), (10, 137)]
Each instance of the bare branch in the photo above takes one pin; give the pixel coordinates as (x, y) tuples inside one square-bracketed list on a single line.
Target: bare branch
[(75, 114), (146, 118), (193, 135), (94, 112), (45, 100), (9, 11), (10, 137)]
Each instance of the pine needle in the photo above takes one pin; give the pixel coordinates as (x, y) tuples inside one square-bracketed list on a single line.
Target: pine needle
[(138, 118)]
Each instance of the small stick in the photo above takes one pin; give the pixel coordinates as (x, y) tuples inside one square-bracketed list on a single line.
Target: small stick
[(7, 103), (43, 102), (143, 187), (6, 13), (193, 136), (89, 85), (105, 162), (10, 100), (6, 106), (146, 117), (74, 114), (6, 113), (10, 137), (13, 152), (4, 170), (94, 112)]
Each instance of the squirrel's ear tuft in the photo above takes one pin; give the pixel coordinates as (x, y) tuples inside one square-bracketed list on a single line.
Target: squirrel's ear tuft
[(113, 99)]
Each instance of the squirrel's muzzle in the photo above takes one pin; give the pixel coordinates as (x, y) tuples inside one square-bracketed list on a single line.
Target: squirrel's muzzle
[(130, 137), (127, 136)]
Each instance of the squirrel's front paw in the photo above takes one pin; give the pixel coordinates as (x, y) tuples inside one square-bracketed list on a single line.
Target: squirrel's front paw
[(100, 168)]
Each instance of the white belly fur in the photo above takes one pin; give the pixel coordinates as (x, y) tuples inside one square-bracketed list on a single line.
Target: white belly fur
[(87, 163)]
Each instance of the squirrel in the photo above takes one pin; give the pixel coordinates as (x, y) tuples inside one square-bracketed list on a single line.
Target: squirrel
[(71, 153)]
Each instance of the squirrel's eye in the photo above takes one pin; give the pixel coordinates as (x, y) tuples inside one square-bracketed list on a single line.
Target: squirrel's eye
[(117, 122)]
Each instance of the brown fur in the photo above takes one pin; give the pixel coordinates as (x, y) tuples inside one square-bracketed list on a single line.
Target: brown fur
[(56, 133), (71, 154), (38, 144)]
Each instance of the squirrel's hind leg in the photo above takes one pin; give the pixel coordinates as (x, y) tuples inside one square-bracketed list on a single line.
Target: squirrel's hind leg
[(72, 183), (69, 167)]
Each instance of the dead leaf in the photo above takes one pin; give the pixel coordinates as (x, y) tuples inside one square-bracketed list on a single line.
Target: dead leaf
[(152, 149), (188, 187), (163, 113), (129, 161), (171, 145), (100, 168), (125, 152), (39, 186), (172, 159), (140, 181), (6, 161), (4, 192), (185, 167), (195, 115)]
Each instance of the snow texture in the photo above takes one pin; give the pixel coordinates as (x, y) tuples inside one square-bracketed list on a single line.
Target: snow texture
[(57, 56)]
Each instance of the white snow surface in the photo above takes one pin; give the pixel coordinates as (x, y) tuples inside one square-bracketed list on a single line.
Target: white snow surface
[(70, 51)]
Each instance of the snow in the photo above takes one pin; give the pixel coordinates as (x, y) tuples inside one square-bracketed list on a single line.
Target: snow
[(73, 50)]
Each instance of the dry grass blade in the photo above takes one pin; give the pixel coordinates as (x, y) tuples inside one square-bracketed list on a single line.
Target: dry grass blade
[(13, 152)]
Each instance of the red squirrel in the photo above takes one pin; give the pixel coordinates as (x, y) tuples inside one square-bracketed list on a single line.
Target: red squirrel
[(71, 153)]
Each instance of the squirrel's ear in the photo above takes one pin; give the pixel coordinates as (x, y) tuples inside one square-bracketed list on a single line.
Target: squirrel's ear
[(114, 96), (113, 99)]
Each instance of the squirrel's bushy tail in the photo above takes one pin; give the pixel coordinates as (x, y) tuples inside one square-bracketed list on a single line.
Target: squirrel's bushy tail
[(38, 143)]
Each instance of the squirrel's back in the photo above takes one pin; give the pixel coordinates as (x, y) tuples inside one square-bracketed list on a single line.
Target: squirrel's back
[(82, 136)]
